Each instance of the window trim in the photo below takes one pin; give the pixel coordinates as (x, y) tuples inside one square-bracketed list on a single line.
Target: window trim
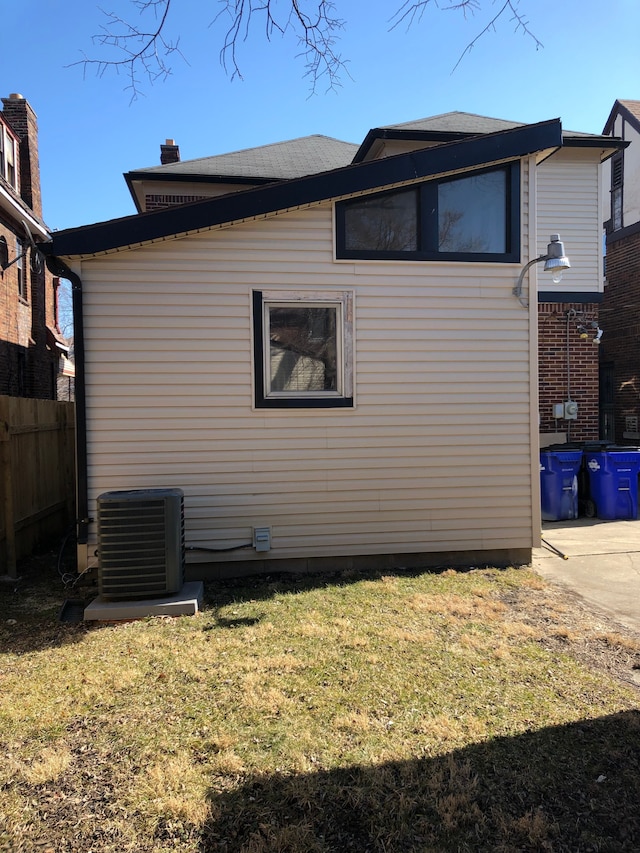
[(617, 191), (9, 156), (21, 270), (427, 233), (343, 398)]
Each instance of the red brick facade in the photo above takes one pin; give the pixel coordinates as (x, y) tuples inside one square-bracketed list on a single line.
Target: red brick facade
[(29, 357), (568, 367), (621, 343)]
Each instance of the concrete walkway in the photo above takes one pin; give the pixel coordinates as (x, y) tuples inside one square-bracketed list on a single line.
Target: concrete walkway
[(602, 565)]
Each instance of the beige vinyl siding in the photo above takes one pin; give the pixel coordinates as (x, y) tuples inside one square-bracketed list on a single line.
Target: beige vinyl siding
[(568, 194), (435, 456)]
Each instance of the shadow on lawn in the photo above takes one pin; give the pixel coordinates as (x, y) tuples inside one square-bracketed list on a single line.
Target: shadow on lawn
[(221, 593), (565, 789), (31, 605)]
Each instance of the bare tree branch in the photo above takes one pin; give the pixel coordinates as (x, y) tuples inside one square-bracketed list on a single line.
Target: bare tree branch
[(139, 50), (520, 24), (313, 24), (411, 12), (145, 52)]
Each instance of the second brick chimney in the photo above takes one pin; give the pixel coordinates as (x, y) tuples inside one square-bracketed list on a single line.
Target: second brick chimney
[(169, 152)]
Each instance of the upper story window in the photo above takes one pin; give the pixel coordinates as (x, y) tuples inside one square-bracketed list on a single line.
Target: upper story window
[(617, 173), (475, 217), (8, 156)]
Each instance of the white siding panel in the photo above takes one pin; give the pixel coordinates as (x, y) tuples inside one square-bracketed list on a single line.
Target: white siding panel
[(434, 456), (569, 204)]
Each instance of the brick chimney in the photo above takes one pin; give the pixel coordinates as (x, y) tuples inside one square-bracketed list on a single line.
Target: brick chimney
[(169, 152), (24, 123)]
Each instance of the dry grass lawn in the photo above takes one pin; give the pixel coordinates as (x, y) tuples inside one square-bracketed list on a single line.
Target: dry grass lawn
[(476, 711)]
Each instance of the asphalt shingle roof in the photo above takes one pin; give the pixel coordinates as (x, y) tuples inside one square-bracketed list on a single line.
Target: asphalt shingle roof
[(279, 161), (457, 122)]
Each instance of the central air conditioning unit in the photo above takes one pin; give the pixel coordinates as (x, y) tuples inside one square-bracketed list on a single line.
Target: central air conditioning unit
[(140, 543)]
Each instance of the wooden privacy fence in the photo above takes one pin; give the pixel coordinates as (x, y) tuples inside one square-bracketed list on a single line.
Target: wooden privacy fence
[(37, 475)]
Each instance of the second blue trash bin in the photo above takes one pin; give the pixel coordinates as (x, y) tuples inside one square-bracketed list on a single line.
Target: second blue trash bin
[(559, 483), (613, 481)]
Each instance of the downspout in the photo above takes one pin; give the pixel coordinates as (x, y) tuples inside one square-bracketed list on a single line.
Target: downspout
[(60, 269)]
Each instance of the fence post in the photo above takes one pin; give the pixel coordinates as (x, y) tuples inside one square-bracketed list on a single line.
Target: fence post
[(6, 481)]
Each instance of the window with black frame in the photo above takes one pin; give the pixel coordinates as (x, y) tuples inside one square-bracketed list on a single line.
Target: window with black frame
[(472, 217), (302, 349)]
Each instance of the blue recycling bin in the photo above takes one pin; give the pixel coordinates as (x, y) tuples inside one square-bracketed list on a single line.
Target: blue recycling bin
[(613, 482), (559, 483)]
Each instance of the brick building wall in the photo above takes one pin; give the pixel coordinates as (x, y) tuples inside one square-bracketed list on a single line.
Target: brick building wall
[(621, 341), (568, 366), (29, 359)]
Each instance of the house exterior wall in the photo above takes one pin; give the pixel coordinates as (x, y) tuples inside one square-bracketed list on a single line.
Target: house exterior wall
[(155, 195), (620, 350), (568, 368), (569, 203), (631, 158), (436, 456), (621, 341), (28, 367), (567, 363)]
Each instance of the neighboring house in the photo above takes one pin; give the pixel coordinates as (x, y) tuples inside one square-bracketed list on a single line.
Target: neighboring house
[(620, 350), (32, 349), (328, 345)]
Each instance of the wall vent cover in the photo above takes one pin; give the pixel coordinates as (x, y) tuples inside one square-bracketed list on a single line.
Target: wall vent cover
[(140, 543)]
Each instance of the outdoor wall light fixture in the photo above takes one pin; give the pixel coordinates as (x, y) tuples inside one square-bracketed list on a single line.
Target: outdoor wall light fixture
[(555, 262), (584, 331)]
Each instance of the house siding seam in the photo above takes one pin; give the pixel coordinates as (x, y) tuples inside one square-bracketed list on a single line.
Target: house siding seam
[(435, 456)]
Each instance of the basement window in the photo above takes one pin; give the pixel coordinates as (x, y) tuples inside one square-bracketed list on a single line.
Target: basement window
[(470, 217), (303, 349)]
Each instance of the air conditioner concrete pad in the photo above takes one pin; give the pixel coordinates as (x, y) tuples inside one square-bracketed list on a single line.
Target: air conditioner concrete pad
[(186, 602)]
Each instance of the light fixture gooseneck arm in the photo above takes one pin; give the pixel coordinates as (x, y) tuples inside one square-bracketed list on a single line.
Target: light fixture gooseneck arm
[(517, 290), (555, 261)]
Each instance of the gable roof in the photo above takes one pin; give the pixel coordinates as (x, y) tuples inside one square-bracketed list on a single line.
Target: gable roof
[(447, 127), (279, 161), (630, 110), (284, 195)]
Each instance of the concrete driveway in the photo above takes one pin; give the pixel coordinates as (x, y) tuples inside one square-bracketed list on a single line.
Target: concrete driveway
[(602, 565)]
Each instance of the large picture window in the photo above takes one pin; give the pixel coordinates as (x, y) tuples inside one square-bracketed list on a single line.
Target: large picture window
[(303, 348), (475, 217)]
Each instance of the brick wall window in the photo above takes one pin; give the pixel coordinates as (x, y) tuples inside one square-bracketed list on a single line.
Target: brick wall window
[(8, 157)]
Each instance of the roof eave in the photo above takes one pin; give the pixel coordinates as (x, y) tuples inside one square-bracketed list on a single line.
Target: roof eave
[(285, 195), (382, 133)]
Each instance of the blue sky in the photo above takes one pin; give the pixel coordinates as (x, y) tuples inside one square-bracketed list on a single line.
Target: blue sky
[(91, 133)]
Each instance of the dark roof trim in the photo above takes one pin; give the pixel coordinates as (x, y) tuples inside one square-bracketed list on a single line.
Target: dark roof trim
[(569, 140), (621, 233), (131, 177), (438, 136), (593, 142), (579, 298), (157, 177), (620, 109), (466, 154)]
